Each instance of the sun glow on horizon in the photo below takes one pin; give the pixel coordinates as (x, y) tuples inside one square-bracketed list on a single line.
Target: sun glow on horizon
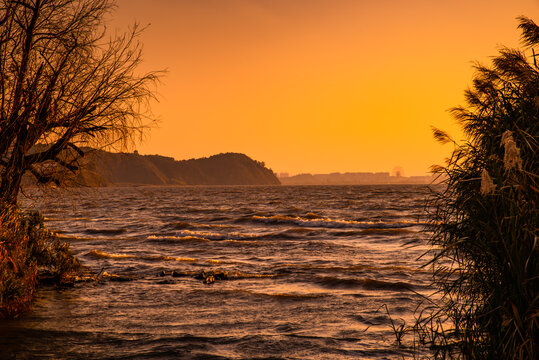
[(316, 86)]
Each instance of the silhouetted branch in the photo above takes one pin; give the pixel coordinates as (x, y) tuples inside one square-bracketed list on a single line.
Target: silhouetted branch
[(62, 84)]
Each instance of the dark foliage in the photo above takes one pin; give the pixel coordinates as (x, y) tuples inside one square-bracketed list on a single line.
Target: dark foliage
[(485, 222), (63, 85), (26, 249)]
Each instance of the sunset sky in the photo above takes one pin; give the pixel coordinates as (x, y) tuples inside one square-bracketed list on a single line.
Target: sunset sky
[(316, 85)]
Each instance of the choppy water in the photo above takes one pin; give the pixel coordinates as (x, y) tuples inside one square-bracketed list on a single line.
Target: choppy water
[(310, 268)]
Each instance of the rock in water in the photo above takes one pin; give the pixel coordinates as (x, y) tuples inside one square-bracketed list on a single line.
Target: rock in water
[(201, 275), (209, 277), (221, 275)]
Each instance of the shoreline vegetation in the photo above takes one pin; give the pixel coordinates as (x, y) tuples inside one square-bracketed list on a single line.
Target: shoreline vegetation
[(484, 224), (30, 254)]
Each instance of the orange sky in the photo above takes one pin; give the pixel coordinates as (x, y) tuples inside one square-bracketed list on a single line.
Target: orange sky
[(316, 85)]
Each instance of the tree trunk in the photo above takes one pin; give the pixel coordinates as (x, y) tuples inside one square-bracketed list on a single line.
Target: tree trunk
[(13, 172), (9, 188)]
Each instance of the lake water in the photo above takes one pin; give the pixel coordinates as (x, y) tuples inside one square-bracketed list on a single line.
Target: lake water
[(310, 268)]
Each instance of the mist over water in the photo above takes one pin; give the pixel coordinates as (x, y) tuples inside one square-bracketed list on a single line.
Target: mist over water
[(310, 268)]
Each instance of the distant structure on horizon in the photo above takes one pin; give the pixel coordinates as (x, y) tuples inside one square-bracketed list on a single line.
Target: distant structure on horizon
[(356, 178), (398, 171)]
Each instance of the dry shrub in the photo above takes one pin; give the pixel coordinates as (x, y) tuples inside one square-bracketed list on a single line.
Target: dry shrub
[(484, 223), (26, 249)]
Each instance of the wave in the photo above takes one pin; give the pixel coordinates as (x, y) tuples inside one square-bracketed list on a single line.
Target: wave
[(312, 216), (304, 232), (222, 209), (279, 295), (287, 234), (103, 255), (71, 237), (180, 225), (334, 268), (299, 230), (220, 218), (229, 262), (216, 236), (208, 235), (173, 239), (296, 233), (332, 223), (97, 254), (167, 258), (105, 231), (51, 219), (243, 275), (366, 283), (375, 231)]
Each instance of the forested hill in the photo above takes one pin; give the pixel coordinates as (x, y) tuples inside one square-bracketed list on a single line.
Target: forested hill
[(101, 168)]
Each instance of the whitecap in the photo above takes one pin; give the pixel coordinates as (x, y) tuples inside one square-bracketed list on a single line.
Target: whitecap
[(334, 223)]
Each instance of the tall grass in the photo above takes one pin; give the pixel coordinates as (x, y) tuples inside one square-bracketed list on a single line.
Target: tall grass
[(26, 247), (484, 223)]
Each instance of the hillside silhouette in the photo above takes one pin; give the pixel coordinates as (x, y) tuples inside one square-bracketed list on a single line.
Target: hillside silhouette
[(101, 168)]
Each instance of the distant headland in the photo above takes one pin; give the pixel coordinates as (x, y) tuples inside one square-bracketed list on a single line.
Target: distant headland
[(102, 168)]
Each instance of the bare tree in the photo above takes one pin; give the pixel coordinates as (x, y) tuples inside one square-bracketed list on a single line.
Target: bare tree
[(64, 84)]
